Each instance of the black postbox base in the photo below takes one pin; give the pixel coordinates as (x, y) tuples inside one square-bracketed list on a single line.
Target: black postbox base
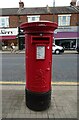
[(38, 101)]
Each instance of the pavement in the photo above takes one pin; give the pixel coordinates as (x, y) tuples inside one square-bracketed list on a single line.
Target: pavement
[(63, 103), (23, 51)]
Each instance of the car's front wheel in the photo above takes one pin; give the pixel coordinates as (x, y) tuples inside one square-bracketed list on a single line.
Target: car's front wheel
[(78, 49), (57, 51)]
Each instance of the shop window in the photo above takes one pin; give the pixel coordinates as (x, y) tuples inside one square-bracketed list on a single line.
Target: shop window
[(4, 21), (64, 20), (66, 43)]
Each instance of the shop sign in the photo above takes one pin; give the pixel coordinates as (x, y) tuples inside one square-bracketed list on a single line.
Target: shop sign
[(8, 32), (67, 29)]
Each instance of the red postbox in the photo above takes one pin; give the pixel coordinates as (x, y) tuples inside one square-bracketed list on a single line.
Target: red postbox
[(38, 45)]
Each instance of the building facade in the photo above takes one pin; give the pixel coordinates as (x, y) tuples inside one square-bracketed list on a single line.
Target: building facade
[(67, 17)]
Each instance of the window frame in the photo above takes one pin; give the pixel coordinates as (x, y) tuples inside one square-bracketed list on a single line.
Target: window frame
[(66, 20), (4, 21), (33, 18)]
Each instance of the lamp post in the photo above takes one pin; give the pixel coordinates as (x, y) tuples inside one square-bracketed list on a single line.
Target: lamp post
[(20, 32)]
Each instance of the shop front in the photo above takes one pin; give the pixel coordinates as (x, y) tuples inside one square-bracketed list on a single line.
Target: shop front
[(67, 37), (8, 36)]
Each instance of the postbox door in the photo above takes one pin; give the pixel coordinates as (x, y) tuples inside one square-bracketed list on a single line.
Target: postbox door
[(39, 64), (43, 66)]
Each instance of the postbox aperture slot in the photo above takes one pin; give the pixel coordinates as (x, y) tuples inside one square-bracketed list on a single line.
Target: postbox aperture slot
[(40, 52), (36, 39)]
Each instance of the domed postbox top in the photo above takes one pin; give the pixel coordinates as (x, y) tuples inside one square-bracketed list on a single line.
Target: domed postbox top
[(40, 26)]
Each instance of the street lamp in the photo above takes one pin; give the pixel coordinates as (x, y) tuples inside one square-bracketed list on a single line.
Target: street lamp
[(20, 32)]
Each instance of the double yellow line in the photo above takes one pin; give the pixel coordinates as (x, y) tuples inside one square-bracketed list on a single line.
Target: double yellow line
[(23, 83)]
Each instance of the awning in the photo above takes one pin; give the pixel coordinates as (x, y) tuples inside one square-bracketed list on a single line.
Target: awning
[(64, 35), (7, 37)]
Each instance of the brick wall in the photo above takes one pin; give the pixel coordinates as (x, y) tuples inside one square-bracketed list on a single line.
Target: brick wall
[(16, 20), (74, 20), (23, 18), (46, 17), (13, 20)]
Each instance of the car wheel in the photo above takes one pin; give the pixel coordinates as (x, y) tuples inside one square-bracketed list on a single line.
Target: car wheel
[(57, 51), (78, 51)]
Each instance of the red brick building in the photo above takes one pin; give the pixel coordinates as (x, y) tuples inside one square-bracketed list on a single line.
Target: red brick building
[(67, 18)]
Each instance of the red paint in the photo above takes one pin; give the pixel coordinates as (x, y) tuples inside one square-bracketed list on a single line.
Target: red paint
[(38, 37)]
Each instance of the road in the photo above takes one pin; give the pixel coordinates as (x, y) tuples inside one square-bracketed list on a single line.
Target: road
[(64, 67)]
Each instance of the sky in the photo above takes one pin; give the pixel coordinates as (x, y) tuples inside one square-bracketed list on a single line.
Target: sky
[(33, 3)]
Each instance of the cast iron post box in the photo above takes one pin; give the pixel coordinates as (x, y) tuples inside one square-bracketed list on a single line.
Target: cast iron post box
[(38, 45)]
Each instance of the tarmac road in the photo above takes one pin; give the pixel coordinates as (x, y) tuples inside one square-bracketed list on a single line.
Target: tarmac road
[(64, 67)]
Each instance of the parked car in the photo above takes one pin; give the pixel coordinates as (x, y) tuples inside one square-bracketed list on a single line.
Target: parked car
[(57, 49)]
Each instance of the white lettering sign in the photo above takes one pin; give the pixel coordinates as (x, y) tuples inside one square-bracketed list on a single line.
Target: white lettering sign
[(67, 29), (8, 32)]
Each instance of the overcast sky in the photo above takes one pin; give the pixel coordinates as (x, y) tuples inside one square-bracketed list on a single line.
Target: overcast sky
[(33, 3)]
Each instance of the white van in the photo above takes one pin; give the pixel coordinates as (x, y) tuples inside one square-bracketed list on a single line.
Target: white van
[(57, 49)]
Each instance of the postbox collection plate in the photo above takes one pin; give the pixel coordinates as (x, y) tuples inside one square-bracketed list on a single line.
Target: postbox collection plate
[(40, 52)]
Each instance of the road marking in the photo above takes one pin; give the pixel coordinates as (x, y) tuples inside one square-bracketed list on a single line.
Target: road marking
[(11, 83), (65, 83), (52, 83)]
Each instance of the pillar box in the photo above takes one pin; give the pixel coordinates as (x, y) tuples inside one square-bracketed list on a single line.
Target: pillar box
[(38, 58)]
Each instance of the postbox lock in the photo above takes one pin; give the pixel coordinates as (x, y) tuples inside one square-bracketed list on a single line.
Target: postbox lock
[(48, 47), (41, 34)]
